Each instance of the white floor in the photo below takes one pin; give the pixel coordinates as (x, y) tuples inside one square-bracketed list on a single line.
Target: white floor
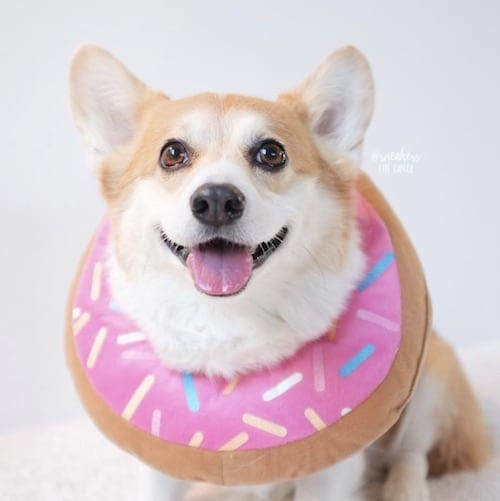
[(73, 462)]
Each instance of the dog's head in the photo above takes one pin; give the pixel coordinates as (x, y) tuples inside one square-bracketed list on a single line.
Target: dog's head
[(226, 196)]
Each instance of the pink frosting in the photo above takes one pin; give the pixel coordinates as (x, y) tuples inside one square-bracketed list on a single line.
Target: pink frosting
[(325, 380)]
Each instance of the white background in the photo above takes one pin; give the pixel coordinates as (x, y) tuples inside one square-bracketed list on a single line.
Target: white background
[(437, 70)]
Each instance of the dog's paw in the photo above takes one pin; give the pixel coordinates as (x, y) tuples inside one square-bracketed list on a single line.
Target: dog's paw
[(406, 480), (404, 489)]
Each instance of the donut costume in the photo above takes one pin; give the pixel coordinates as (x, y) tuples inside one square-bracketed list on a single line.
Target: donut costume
[(335, 396)]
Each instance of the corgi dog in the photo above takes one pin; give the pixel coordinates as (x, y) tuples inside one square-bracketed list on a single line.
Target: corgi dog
[(234, 242)]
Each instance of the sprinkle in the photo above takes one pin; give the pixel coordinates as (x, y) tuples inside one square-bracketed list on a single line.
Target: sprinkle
[(96, 347), (130, 337), (196, 439), (80, 323), (156, 422), (318, 368), (236, 442), (137, 355), (95, 288), (282, 387), (231, 385), (313, 417), (264, 425), (138, 396), (114, 306), (190, 392), (353, 363), (378, 269), (345, 411), (330, 336), (76, 312), (369, 316)]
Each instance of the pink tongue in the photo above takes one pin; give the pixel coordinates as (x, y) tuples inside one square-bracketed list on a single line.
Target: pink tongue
[(220, 272)]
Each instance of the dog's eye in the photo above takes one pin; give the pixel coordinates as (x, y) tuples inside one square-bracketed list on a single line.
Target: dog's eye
[(271, 155), (174, 154)]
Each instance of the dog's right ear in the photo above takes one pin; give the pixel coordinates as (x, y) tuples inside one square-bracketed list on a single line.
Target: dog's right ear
[(106, 99)]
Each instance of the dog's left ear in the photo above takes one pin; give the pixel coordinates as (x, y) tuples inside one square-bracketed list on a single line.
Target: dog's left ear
[(337, 100)]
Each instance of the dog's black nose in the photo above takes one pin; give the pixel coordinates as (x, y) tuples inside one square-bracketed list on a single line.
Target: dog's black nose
[(217, 204)]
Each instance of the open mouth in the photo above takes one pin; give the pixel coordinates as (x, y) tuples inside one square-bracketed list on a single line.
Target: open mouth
[(220, 267)]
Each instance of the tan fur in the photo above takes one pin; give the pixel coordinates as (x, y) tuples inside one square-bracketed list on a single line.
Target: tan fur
[(463, 441)]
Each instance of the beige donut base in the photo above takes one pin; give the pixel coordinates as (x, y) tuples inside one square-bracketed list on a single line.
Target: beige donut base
[(356, 430)]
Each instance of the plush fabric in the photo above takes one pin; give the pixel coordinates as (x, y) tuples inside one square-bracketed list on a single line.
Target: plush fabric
[(325, 380), (333, 398), (74, 462)]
